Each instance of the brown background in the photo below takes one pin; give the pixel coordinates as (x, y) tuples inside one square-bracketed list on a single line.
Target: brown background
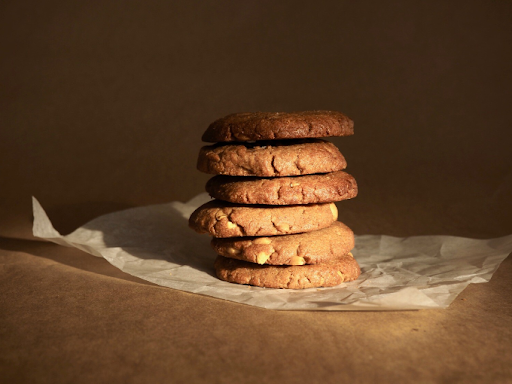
[(102, 105)]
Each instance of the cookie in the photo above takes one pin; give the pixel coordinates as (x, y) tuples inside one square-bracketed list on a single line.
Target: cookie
[(222, 219), (314, 247), (271, 158), (309, 189), (294, 277), (278, 125)]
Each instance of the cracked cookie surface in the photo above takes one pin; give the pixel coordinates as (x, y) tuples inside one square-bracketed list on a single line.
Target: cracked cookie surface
[(271, 158), (314, 247), (223, 219), (293, 277), (308, 189), (278, 125)]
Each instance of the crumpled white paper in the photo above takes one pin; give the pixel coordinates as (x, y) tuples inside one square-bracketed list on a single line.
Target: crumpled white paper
[(154, 243)]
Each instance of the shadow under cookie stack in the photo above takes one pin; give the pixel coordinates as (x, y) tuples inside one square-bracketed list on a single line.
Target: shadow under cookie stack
[(274, 221)]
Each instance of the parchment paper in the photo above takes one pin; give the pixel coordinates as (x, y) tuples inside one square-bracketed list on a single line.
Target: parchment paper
[(154, 243)]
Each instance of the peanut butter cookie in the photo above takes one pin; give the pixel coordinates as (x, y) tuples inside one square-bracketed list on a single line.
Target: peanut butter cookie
[(271, 158), (295, 277), (222, 219), (314, 247), (278, 125), (309, 189)]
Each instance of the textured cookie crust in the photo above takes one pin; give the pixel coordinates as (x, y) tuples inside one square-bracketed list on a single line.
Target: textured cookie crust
[(278, 125), (294, 277), (271, 158), (309, 189), (222, 219), (314, 247)]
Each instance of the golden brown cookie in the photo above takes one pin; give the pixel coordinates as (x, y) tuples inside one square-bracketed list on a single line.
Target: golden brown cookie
[(271, 158), (314, 247), (222, 219), (278, 125), (294, 277), (309, 189)]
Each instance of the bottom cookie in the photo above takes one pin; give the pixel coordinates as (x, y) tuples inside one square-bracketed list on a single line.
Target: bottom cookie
[(293, 277)]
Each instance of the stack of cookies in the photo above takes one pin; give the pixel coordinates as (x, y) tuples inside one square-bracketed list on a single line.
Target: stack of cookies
[(274, 221)]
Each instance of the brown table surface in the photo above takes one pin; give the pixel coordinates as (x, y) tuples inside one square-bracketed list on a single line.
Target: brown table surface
[(102, 106)]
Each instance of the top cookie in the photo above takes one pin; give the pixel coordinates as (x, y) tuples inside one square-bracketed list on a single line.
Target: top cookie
[(278, 125)]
